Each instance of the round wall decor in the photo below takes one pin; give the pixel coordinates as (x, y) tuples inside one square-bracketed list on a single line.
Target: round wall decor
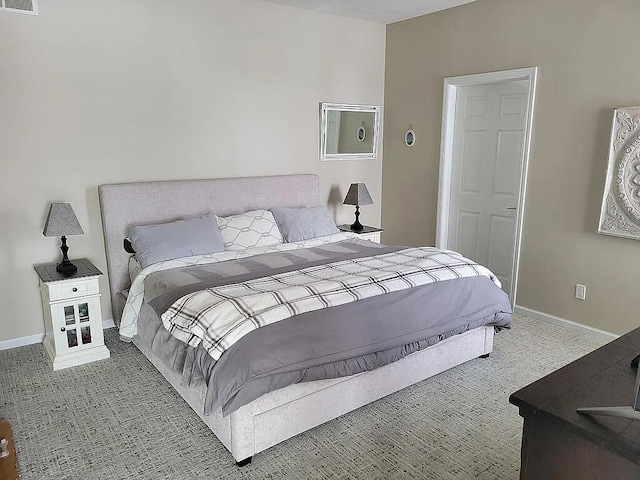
[(410, 137), (361, 133)]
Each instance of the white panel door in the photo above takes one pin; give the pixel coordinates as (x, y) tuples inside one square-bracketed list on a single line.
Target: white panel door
[(485, 178)]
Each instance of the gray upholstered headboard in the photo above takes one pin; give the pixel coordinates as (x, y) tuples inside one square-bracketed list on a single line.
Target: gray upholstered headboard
[(127, 204)]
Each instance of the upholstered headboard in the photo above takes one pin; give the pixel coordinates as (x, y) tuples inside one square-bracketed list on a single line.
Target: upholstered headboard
[(128, 204)]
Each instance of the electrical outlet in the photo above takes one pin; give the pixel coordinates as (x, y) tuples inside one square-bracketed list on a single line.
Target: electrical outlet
[(581, 292)]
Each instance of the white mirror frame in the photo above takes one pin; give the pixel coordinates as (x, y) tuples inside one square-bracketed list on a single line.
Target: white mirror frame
[(343, 107)]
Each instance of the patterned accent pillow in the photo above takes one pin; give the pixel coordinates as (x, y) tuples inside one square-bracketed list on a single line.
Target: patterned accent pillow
[(257, 228)]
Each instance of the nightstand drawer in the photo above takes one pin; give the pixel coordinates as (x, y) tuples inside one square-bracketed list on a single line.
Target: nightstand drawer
[(67, 290), (372, 236)]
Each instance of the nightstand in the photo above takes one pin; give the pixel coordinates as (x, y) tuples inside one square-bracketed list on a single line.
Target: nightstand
[(367, 233), (72, 315)]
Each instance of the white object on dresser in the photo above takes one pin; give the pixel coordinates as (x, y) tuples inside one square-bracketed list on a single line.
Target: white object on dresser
[(368, 233), (73, 319)]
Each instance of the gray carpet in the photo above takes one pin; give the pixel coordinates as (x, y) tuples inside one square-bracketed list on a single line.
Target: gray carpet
[(118, 418)]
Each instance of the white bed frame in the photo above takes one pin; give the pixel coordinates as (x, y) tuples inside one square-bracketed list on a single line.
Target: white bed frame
[(284, 413)]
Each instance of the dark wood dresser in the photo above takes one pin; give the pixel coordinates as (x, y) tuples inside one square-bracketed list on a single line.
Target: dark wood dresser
[(559, 443)]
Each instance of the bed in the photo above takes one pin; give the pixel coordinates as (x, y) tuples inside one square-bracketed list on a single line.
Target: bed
[(255, 424)]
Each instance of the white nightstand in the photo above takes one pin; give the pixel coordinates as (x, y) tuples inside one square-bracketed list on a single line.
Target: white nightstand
[(72, 315), (367, 233)]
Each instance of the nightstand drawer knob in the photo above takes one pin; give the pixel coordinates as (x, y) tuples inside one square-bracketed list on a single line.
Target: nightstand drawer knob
[(62, 329), (77, 289)]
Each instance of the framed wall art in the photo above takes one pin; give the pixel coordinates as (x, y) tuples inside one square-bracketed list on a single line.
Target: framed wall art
[(620, 212)]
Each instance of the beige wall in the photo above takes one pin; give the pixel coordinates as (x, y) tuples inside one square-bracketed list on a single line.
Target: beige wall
[(584, 50), (102, 92)]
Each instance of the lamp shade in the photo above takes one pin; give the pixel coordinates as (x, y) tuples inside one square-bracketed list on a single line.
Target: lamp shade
[(358, 195), (61, 221)]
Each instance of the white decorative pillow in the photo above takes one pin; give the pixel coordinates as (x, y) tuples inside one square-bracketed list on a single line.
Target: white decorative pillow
[(257, 228)]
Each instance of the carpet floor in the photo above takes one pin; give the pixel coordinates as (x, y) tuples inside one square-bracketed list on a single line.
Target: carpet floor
[(118, 418)]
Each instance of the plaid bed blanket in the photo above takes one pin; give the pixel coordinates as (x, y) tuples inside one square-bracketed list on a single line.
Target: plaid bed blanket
[(219, 317)]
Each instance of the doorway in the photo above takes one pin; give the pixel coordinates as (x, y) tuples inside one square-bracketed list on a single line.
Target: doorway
[(486, 137)]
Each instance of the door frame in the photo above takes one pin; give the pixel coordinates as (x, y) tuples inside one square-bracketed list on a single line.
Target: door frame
[(451, 86)]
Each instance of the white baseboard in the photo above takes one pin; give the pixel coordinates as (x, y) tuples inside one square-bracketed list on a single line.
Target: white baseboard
[(563, 322), (22, 341), (108, 323), (39, 337)]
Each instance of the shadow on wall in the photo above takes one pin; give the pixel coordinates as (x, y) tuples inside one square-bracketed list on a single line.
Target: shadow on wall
[(17, 226), (95, 234), (20, 232), (334, 201), (94, 217), (602, 141)]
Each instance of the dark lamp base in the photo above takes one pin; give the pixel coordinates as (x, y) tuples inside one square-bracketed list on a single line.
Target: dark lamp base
[(66, 268), (357, 226)]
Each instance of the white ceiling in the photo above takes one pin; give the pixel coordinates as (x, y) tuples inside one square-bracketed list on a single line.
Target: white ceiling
[(378, 11)]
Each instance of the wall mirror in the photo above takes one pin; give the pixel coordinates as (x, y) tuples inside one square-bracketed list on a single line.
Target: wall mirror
[(349, 132)]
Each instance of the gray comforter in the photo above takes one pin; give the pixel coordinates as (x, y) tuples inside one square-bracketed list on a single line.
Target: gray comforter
[(327, 343)]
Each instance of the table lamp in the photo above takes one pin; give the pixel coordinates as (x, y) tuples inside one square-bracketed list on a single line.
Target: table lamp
[(357, 195), (61, 222)]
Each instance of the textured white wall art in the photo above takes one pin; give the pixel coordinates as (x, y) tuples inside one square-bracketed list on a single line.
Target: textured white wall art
[(620, 214)]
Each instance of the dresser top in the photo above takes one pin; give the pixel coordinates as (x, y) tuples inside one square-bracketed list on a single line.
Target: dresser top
[(48, 272), (603, 378)]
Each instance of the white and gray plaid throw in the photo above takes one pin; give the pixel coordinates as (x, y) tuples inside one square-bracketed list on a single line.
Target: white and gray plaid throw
[(219, 317)]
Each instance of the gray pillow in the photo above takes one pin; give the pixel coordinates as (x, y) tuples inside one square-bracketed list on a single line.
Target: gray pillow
[(182, 238), (297, 224)]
